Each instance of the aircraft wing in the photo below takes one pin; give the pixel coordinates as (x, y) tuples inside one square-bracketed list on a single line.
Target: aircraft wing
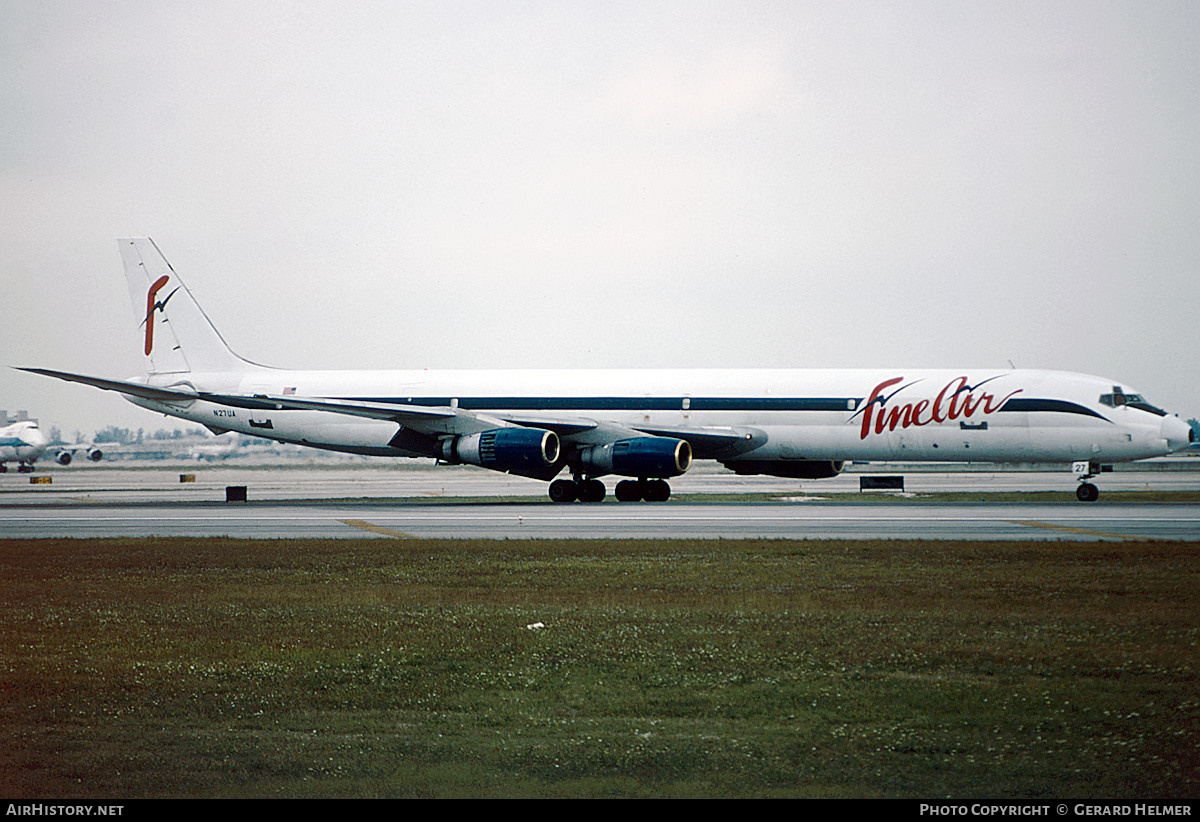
[(712, 442), (565, 427), (707, 442), (424, 419), (436, 420)]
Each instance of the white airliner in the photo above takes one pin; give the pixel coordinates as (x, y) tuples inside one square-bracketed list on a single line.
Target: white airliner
[(647, 425), (23, 442)]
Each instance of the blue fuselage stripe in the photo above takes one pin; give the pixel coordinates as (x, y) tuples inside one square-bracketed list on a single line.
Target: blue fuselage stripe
[(623, 403), (1059, 406), (692, 404)]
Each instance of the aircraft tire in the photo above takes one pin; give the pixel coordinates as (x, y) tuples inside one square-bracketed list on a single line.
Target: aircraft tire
[(591, 491), (629, 491), (1086, 492), (657, 491), (563, 491)]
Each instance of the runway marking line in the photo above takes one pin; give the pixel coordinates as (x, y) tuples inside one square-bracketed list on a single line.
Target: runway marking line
[(1032, 523), (363, 525)]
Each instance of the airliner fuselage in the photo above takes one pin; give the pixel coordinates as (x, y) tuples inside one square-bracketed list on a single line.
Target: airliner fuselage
[(798, 415)]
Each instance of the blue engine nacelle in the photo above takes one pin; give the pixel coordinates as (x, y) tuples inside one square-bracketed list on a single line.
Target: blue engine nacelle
[(527, 452), (643, 457)]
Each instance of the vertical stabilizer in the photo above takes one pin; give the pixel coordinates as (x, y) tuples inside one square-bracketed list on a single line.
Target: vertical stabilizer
[(174, 333)]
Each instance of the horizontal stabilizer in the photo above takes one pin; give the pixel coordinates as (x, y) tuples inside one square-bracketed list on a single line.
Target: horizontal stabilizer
[(134, 389)]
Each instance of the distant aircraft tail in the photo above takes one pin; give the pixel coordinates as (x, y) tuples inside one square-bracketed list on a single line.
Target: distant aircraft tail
[(176, 334)]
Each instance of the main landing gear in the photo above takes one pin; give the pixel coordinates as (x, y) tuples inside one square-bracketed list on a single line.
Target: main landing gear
[(650, 490), (592, 490), (22, 468), (565, 490)]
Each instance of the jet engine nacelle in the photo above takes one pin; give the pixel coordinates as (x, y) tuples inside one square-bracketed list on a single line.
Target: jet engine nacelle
[(643, 457), (64, 457), (792, 469), (531, 452)]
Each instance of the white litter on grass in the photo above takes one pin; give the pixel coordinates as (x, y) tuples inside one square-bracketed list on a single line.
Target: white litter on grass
[(535, 626)]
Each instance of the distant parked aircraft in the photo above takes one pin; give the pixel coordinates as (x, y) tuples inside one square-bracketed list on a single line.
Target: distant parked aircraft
[(23, 442)]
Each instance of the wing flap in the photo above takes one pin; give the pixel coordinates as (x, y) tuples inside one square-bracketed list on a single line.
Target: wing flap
[(566, 428)]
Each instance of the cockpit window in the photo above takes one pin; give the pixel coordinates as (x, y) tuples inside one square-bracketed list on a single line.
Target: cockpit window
[(1118, 398)]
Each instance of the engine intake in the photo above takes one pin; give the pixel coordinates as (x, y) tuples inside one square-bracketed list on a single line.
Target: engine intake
[(523, 451), (644, 457)]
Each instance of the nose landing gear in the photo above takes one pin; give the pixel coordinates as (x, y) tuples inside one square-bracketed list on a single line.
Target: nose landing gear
[(1086, 492)]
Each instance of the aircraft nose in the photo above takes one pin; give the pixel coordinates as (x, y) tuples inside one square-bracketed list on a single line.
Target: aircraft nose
[(1177, 433)]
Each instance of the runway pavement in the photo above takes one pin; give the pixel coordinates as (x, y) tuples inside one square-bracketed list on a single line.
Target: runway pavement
[(399, 503), (980, 521), (390, 479)]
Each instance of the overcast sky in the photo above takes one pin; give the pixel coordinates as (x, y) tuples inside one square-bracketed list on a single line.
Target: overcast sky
[(605, 184)]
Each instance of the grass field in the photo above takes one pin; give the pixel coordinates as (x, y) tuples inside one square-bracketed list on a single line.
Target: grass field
[(408, 668)]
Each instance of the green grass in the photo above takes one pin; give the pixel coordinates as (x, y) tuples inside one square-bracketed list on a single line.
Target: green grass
[(405, 668)]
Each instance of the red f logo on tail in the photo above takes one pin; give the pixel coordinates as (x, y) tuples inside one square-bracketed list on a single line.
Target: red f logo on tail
[(151, 305)]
